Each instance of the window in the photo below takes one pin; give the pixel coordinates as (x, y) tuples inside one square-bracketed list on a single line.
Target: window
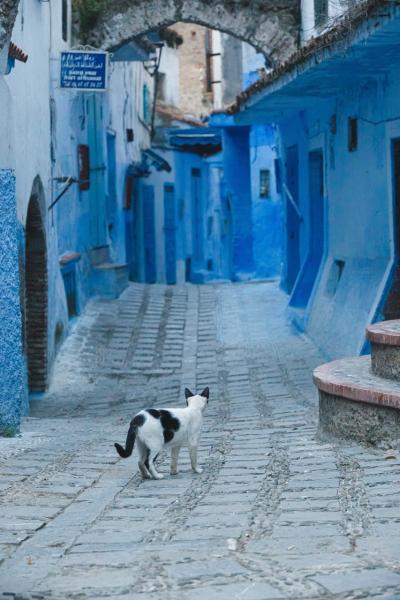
[(265, 183), (321, 12), (64, 17), (352, 134)]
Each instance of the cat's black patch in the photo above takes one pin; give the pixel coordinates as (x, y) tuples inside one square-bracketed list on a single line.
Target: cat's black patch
[(138, 421), (153, 412), (168, 421), (168, 435)]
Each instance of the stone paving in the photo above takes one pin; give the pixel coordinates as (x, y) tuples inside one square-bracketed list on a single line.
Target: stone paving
[(276, 513)]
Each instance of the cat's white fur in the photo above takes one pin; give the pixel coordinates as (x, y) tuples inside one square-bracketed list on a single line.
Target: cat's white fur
[(150, 435)]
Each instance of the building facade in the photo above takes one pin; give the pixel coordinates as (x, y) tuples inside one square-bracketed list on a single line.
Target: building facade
[(65, 157), (339, 131)]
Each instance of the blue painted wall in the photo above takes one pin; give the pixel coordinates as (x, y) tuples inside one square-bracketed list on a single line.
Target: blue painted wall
[(358, 213), (13, 393), (224, 228)]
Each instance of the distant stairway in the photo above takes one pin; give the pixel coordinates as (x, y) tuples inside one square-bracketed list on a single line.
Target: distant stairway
[(359, 398), (109, 279)]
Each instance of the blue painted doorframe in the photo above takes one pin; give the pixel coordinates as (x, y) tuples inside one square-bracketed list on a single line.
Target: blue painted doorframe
[(197, 220), (149, 234), (170, 233), (97, 190), (305, 283), (292, 217)]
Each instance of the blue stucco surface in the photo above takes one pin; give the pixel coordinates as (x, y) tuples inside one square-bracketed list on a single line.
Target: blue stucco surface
[(13, 396), (347, 270)]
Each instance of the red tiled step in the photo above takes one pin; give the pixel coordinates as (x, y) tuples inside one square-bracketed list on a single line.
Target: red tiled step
[(385, 348), (386, 333), (352, 379)]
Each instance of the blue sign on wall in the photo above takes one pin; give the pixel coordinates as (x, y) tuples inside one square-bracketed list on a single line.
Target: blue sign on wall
[(82, 70)]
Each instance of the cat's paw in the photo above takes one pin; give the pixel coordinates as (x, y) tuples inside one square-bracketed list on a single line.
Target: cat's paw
[(174, 472), (198, 470), (158, 476)]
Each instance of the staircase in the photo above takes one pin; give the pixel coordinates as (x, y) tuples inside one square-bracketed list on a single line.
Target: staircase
[(359, 398), (109, 279)]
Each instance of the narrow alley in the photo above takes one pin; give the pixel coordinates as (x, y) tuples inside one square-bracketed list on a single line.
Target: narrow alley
[(277, 513)]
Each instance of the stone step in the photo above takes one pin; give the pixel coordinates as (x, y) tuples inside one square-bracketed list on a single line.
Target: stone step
[(354, 403), (110, 279), (99, 255), (384, 338)]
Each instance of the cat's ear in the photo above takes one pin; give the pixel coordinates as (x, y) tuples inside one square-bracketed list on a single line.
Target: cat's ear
[(188, 394), (205, 393)]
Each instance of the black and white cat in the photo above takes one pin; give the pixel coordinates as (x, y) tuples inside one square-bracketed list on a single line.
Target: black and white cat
[(173, 428)]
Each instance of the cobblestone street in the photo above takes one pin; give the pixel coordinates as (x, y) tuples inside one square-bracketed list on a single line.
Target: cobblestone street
[(275, 514)]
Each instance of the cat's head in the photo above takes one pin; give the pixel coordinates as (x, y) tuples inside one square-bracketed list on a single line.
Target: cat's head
[(197, 400)]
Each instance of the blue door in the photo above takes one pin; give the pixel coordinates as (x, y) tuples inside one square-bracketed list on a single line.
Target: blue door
[(309, 271), (149, 234), (111, 205), (197, 220), (169, 233), (292, 216), (97, 190)]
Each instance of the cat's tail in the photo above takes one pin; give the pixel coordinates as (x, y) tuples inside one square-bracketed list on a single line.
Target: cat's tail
[(130, 442)]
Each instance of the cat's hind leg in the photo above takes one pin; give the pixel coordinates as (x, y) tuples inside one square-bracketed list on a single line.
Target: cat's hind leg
[(150, 464), (193, 460), (143, 459), (174, 459)]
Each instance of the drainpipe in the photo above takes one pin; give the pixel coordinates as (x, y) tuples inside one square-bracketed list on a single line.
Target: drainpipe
[(307, 20)]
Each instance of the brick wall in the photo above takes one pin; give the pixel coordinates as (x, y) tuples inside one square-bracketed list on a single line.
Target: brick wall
[(194, 98)]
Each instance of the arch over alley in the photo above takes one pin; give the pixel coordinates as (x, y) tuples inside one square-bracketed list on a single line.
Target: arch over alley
[(271, 27)]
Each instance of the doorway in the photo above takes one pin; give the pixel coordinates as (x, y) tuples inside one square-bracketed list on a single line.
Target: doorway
[(305, 283), (97, 190), (170, 233), (197, 220), (149, 234), (292, 216), (36, 297), (392, 305)]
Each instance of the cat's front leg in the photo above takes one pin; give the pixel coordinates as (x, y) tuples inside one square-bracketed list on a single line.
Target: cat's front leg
[(193, 460), (174, 459)]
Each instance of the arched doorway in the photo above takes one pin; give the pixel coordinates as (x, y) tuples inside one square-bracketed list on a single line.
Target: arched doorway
[(36, 292)]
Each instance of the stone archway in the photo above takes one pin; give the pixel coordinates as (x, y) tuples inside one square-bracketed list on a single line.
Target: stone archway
[(36, 294), (8, 13), (271, 26)]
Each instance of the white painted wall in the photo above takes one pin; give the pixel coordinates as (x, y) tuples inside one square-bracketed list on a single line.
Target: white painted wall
[(169, 66)]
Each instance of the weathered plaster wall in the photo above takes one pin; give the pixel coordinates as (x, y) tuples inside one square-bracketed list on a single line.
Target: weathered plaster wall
[(12, 368), (29, 87)]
